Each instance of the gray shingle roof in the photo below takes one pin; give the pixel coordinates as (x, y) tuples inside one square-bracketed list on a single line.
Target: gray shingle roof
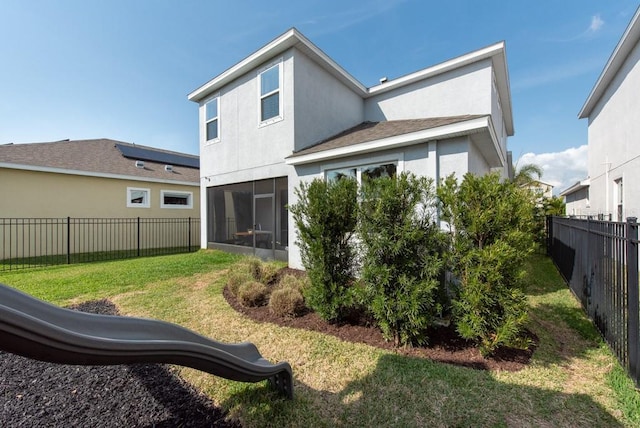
[(372, 131), (94, 156)]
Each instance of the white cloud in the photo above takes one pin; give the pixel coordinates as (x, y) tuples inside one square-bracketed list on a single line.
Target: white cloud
[(596, 23), (562, 169)]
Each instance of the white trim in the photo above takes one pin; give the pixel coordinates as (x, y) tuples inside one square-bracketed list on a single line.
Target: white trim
[(37, 168), (144, 204), (217, 118), (627, 42), (180, 193), (442, 132), (280, 116)]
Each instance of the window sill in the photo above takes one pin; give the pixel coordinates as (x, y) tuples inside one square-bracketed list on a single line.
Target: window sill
[(270, 121)]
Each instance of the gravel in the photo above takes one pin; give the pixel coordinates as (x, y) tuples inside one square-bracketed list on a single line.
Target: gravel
[(40, 394)]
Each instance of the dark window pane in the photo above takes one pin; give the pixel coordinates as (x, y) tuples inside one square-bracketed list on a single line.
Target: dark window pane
[(377, 171), (270, 106), (212, 130), (176, 200)]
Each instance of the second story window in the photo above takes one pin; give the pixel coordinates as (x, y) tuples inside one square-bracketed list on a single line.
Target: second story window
[(212, 119), (270, 101)]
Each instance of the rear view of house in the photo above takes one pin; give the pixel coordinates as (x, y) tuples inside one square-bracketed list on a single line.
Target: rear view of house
[(288, 113)]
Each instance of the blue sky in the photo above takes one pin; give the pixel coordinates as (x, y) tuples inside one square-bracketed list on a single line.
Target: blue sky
[(83, 69)]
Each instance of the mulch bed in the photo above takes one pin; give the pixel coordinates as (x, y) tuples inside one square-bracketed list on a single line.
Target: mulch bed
[(39, 394), (445, 345)]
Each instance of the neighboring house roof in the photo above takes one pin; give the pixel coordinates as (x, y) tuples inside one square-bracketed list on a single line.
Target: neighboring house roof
[(575, 187), (293, 38), (541, 183), (371, 136), (102, 158), (626, 44)]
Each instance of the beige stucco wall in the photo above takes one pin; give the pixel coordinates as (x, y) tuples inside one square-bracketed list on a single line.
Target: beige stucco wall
[(43, 194)]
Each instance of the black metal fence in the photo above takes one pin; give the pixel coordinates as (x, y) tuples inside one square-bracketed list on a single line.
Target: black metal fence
[(35, 242), (599, 261)]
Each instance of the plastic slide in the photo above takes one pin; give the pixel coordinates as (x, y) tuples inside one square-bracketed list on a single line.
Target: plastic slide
[(36, 329)]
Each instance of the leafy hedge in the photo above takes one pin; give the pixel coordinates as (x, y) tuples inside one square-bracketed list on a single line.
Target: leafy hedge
[(389, 236)]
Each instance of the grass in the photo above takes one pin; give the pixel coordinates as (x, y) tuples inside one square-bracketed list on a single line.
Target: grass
[(573, 379)]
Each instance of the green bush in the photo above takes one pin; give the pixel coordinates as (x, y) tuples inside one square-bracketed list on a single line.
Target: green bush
[(253, 293), (401, 260), (286, 302), (491, 236), (325, 217)]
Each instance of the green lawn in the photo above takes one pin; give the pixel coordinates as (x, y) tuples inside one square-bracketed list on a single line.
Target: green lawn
[(573, 379)]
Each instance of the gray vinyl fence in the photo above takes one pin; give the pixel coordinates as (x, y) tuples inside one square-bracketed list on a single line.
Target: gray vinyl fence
[(599, 261), (36, 242)]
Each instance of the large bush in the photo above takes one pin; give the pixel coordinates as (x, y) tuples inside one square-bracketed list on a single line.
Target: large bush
[(401, 260), (325, 217), (490, 223)]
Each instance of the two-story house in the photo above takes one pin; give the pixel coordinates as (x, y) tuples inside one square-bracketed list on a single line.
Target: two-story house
[(613, 112), (289, 113)]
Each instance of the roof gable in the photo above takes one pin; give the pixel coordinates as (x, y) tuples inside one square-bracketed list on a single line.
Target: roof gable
[(293, 38)]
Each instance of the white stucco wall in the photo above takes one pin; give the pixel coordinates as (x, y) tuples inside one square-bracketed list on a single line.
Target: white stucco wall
[(466, 90), (577, 203), (244, 144), (614, 143), (323, 105)]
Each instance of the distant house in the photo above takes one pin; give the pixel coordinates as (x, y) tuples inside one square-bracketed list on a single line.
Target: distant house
[(289, 113), (576, 199), (613, 112), (541, 188), (97, 178)]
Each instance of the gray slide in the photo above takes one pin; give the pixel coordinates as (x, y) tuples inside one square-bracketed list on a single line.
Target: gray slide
[(39, 330)]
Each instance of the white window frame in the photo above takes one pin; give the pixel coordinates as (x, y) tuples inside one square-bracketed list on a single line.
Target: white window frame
[(278, 63), (146, 203), (178, 193), (206, 121)]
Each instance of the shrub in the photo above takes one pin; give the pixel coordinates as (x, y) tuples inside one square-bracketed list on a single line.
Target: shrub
[(325, 217), (286, 301), (252, 293), (252, 266), (268, 273), (402, 262), (291, 281), (490, 222), (236, 278)]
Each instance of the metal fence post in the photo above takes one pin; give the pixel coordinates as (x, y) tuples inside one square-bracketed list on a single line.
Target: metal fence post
[(68, 240), (633, 328), (189, 233), (549, 234), (138, 237)]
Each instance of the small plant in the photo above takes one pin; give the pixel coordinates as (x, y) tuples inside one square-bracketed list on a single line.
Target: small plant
[(268, 273), (252, 293), (253, 266), (236, 278), (286, 302), (291, 281)]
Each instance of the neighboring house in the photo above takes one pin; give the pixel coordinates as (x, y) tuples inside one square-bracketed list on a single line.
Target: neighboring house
[(613, 111), (541, 188), (289, 113), (576, 199), (97, 179)]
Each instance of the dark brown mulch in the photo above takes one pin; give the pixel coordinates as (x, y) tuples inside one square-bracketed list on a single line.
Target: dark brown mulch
[(39, 394), (445, 345)]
